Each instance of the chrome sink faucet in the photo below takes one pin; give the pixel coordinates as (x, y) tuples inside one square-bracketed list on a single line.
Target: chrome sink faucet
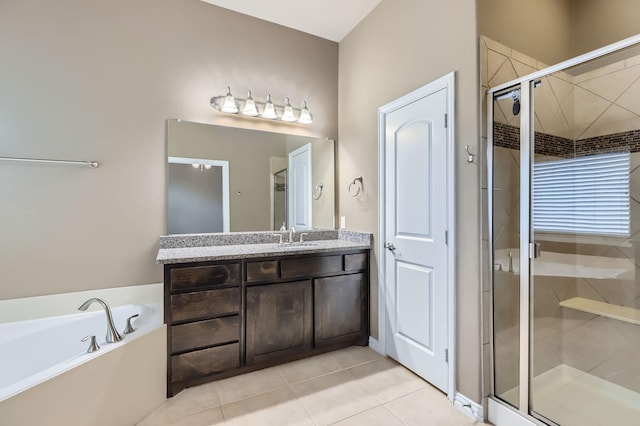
[(292, 232), (112, 334)]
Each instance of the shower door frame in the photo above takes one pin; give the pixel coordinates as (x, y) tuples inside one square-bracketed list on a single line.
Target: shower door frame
[(501, 410)]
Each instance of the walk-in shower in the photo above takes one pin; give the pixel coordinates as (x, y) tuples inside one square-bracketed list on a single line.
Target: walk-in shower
[(564, 235)]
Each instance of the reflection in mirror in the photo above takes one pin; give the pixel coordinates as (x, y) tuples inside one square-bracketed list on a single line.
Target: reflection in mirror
[(197, 195), (280, 199), (268, 184)]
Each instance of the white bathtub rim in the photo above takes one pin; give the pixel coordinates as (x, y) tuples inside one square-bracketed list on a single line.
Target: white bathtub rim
[(16, 329), (62, 367), (54, 305)]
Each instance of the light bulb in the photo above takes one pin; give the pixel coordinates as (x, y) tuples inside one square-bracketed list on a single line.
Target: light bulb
[(250, 106), (195, 165), (305, 114), (229, 104), (269, 110), (288, 114), (207, 166)]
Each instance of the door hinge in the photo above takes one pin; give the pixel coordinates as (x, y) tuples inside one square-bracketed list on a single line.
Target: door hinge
[(446, 355), (446, 121), (446, 238)]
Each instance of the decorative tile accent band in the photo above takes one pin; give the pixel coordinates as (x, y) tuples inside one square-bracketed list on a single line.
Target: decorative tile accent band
[(555, 146), (615, 142), (507, 136)]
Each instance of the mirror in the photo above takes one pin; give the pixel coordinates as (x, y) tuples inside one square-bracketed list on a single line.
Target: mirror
[(226, 179)]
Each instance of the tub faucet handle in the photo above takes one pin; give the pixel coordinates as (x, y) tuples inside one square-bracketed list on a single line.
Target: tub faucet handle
[(129, 328), (93, 345)]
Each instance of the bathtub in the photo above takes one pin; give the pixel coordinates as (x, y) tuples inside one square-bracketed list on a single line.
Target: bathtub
[(47, 376), (37, 350), (553, 264)]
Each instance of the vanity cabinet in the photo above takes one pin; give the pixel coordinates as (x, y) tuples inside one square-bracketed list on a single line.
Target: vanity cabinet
[(339, 316), (203, 317), (278, 321), (229, 317)]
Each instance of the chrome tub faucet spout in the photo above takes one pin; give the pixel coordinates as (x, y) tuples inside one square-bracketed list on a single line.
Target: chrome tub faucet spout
[(112, 333)]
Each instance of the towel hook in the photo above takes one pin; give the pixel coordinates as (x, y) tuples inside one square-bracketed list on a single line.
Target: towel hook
[(358, 179), (470, 156), (317, 190)]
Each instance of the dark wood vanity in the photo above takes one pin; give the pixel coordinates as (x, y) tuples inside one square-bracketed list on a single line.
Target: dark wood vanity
[(233, 316)]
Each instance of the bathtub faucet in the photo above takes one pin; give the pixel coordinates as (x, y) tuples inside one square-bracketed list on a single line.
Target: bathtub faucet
[(112, 333)]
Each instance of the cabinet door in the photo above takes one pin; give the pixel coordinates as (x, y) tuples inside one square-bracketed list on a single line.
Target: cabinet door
[(340, 309), (278, 321)]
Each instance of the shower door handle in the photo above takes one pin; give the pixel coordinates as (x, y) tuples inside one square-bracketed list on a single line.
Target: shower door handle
[(534, 250)]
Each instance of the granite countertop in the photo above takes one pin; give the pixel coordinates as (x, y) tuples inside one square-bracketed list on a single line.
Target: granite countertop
[(207, 247)]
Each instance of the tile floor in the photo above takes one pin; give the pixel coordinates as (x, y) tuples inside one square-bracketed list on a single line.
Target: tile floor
[(352, 386)]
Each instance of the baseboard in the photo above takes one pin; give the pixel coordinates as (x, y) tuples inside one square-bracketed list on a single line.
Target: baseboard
[(375, 345), (469, 407)]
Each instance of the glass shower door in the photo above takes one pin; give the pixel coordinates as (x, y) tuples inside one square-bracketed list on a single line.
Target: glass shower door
[(582, 263), (565, 242), (505, 206)]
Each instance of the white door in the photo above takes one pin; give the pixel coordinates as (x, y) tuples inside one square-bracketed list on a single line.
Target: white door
[(416, 252), (300, 187)]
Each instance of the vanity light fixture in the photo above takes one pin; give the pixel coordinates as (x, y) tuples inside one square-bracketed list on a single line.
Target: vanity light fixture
[(202, 167), (305, 114), (229, 103), (287, 114), (268, 110), (250, 108)]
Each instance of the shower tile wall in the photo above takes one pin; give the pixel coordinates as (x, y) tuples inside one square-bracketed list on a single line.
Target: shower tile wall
[(594, 112)]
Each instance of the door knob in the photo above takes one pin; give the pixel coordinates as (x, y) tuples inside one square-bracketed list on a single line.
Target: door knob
[(390, 246)]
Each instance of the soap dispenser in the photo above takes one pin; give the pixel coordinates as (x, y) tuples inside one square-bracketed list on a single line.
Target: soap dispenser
[(283, 227)]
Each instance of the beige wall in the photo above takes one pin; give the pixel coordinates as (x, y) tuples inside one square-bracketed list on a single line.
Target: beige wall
[(400, 46), (539, 28), (323, 215), (96, 81), (596, 23), (555, 30)]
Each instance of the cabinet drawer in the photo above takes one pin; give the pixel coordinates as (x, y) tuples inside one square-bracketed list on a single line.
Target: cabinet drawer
[(200, 276), (207, 361), (310, 266), (355, 262), (262, 271), (201, 304), (204, 333)]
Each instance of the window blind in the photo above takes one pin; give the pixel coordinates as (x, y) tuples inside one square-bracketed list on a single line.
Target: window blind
[(585, 195)]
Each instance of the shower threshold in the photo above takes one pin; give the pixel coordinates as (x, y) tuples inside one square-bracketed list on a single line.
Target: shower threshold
[(571, 397)]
